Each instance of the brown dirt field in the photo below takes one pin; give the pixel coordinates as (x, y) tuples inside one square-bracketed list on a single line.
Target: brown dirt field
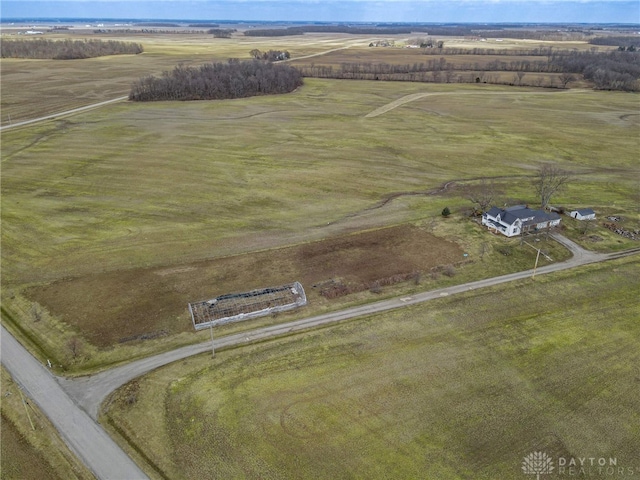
[(109, 307), (19, 458)]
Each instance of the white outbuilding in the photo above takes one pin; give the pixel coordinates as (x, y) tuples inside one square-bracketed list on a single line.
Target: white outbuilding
[(583, 214)]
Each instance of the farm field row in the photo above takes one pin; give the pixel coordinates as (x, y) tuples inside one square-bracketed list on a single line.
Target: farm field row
[(456, 388)]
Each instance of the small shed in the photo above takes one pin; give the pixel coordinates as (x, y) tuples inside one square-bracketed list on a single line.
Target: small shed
[(583, 214)]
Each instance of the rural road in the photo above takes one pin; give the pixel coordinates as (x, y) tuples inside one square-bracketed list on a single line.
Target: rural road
[(63, 114), (89, 392), (72, 404), (80, 432)]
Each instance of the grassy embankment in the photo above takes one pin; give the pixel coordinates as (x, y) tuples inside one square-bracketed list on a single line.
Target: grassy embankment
[(456, 388), (131, 188)]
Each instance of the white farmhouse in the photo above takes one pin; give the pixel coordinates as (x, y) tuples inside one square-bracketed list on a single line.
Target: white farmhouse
[(583, 214), (518, 219)]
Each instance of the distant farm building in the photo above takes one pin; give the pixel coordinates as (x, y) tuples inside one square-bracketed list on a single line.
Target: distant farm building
[(518, 219), (235, 307), (583, 214)]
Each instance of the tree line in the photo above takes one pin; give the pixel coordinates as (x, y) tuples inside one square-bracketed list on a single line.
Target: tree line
[(625, 41), (213, 81), (279, 32), (270, 55), (615, 70), (504, 31), (429, 49), (66, 49), (221, 32), (154, 31)]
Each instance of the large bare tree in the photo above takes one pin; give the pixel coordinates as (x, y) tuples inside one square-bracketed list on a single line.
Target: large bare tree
[(550, 180), (482, 195)]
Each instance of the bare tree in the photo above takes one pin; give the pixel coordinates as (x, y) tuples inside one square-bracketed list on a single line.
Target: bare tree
[(587, 225), (565, 78), (550, 180), (482, 195), (484, 249), (74, 344), (36, 312)]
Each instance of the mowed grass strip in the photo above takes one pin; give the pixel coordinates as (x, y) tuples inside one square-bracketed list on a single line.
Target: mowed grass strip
[(457, 388)]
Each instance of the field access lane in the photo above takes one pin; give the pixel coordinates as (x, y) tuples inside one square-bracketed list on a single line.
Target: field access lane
[(80, 432), (63, 114)]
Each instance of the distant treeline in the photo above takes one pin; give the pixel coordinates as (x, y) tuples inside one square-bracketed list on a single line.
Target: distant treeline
[(148, 30), (279, 32), (615, 70), (270, 55), (528, 52), (66, 49), (157, 24), (221, 32), (234, 79), (621, 41), (455, 30)]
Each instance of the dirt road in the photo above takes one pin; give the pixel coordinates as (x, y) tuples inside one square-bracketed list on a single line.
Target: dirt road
[(63, 114), (417, 96)]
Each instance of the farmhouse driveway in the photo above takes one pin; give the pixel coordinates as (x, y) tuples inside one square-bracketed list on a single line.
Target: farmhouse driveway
[(72, 404)]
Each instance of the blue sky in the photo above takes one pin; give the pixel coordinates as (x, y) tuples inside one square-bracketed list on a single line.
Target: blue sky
[(552, 11)]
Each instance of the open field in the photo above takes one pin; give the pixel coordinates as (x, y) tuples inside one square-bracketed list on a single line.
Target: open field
[(96, 206), (35, 88), (461, 388)]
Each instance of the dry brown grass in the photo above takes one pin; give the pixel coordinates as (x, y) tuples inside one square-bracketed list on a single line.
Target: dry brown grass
[(111, 307)]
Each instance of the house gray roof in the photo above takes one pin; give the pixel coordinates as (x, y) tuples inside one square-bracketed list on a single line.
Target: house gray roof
[(527, 215), (585, 211), (494, 211)]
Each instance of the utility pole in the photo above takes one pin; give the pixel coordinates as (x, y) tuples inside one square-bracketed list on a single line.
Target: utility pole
[(213, 350), (26, 409), (536, 265)]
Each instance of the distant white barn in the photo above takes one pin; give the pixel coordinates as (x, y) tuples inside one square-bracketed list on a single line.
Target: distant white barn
[(583, 214)]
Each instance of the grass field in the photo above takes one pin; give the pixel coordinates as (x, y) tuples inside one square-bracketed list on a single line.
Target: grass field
[(457, 388), (115, 218)]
